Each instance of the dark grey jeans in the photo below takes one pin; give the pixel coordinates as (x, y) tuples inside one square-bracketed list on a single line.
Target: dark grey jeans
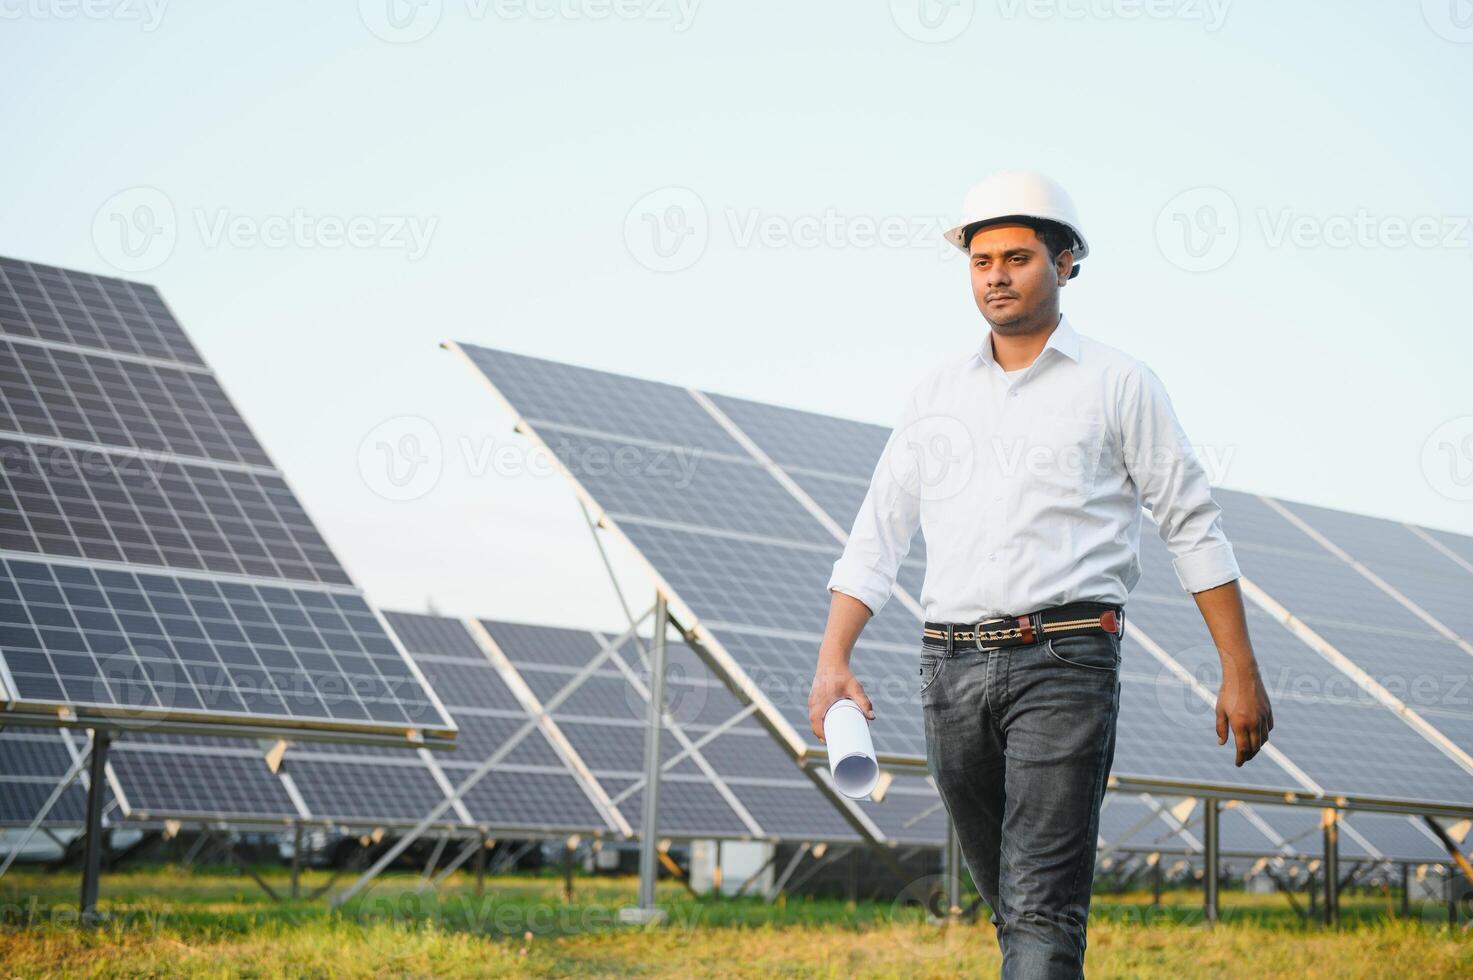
[(1020, 743)]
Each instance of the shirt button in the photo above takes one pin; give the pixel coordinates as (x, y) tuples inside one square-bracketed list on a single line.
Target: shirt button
[(992, 557), (1012, 394)]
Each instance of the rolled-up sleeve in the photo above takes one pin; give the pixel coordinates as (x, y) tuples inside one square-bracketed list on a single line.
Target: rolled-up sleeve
[(1173, 484), (886, 522)]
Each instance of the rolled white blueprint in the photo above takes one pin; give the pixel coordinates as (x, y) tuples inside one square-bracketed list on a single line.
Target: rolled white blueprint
[(851, 750)]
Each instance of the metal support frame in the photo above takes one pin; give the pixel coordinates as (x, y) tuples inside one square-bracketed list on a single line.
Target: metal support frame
[(1453, 851), (512, 856), (1212, 861), (569, 849), (1331, 824), (830, 857), (435, 855), (649, 825), (782, 880), (296, 860), (755, 875), (1286, 888), (952, 872), (227, 846), (46, 807), (474, 846), (458, 792), (96, 792), (1406, 889)]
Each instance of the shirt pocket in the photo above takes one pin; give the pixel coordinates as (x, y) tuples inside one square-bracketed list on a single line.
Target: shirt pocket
[(1063, 458)]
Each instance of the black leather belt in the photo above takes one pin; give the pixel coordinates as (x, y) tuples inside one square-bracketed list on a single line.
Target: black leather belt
[(1034, 627)]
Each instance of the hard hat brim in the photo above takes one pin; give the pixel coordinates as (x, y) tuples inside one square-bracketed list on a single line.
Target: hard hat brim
[(958, 235)]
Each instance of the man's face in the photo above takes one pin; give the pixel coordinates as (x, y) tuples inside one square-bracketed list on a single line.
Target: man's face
[(1014, 283)]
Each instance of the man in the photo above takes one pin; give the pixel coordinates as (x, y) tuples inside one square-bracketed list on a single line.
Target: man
[(1026, 465)]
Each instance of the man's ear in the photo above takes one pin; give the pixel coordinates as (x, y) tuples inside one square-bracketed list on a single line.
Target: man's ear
[(1064, 264)]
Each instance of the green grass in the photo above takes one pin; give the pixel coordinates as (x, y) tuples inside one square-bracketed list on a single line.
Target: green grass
[(164, 921)]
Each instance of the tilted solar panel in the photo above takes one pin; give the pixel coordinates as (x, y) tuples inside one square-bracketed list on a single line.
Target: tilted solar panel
[(746, 573), (155, 568)]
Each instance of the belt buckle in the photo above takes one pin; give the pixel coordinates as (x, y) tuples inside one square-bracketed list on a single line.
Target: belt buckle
[(977, 632)]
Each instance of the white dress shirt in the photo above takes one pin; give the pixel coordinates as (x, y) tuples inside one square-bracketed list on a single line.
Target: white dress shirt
[(1028, 486)]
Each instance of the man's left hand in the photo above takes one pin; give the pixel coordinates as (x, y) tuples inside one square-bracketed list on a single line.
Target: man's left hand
[(1243, 709)]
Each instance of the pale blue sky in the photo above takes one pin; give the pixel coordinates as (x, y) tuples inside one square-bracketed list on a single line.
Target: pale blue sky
[(522, 141)]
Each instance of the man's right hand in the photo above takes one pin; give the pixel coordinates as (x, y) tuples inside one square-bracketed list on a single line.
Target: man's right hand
[(829, 685)]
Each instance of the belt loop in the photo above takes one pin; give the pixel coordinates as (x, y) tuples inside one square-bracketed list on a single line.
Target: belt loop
[(950, 639), (1038, 633)]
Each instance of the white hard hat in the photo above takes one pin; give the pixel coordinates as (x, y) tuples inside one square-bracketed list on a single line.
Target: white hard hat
[(1019, 194)]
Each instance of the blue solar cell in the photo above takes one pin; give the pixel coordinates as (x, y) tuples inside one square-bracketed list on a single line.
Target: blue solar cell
[(85, 310), (535, 800), (654, 483), (381, 791), (550, 394), (730, 580), (181, 783), (910, 813), (120, 508), (689, 807), (1167, 732), (1460, 545), (796, 439), (122, 453), (93, 637)]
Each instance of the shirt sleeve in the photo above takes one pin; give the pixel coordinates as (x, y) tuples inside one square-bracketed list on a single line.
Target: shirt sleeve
[(1173, 484), (886, 522)]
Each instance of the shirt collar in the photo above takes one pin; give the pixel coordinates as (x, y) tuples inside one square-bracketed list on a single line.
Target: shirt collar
[(1064, 339)]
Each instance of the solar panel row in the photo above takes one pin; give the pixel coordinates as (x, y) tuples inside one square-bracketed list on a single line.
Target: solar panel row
[(745, 561), (571, 746), (154, 565)]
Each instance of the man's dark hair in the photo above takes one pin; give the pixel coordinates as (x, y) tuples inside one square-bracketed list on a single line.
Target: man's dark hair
[(1055, 237)]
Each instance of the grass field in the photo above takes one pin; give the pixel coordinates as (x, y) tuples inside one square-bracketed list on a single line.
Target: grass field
[(165, 921)]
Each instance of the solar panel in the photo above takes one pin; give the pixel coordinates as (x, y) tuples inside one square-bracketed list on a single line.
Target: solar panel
[(229, 782), (1397, 837), (196, 777), (154, 565), (1377, 633), (111, 507), (1426, 571), (534, 786), (32, 762), (1343, 740), (755, 593), (89, 311), (723, 774)]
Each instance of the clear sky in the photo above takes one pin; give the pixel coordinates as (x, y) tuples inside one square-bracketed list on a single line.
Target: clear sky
[(746, 197)]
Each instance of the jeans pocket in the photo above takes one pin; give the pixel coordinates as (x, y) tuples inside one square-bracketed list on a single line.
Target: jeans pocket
[(1087, 651), (931, 664)]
